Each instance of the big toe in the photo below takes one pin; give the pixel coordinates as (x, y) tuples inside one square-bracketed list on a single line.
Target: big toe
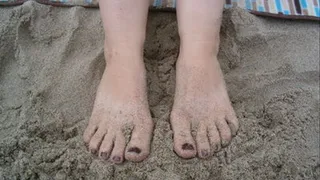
[(184, 144), (138, 148)]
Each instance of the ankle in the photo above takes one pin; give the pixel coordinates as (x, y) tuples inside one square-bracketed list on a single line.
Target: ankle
[(207, 48), (123, 56), (198, 52), (197, 59)]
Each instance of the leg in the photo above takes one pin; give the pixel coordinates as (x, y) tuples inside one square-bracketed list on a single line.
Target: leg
[(121, 97), (201, 98)]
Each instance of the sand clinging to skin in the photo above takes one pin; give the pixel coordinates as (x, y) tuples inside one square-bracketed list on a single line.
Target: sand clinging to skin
[(51, 61)]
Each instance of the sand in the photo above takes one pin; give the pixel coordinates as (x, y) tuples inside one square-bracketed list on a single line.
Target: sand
[(51, 61)]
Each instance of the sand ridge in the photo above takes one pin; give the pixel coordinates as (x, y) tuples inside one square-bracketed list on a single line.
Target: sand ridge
[(51, 61)]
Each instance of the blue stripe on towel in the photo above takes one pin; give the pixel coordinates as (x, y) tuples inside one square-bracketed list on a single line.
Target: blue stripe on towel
[(304, 4), (248, 4), (261, 8), (317, 11), (279, 6), (157, 3)]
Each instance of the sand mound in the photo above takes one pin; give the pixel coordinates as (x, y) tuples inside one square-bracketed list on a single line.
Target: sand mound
[(51, 61)]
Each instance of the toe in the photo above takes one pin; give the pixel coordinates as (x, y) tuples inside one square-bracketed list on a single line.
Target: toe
[(184, 144), (233, 123), (106, 146), (214, 138), (224, 131), (203, 146), (91, 128), (118, 149), (96, 140), (89, 132), (139, 146)]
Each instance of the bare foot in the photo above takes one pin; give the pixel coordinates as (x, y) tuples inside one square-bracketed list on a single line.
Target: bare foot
[(121, 101), (201, 101)]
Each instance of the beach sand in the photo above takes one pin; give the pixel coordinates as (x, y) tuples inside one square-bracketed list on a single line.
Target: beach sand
[(51, 61)]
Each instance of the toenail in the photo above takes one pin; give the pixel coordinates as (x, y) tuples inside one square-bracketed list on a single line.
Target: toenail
[(204, 153), (217, 148), (86, 145), (236, 133), (116, 158), (104, 155), (135, 149), (93, 151), (225, 143), (187, 146)]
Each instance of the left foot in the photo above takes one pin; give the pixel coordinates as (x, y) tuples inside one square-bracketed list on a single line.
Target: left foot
[(201, 100)]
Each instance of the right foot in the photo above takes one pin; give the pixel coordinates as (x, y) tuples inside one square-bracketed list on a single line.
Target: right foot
[(121, 101)]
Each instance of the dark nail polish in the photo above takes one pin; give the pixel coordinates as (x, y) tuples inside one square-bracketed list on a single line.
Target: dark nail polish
[(104, 155), (93, 151), (236, 133), (86, 145), (204, 153), (135, 149), (225, 143), (217, 148), (116, 159), (187, 146)]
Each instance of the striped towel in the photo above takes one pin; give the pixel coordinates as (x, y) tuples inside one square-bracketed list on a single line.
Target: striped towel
[(293, 9), (301, 9)]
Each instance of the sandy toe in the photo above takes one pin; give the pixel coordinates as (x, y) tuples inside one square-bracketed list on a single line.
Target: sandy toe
[(51, 62)]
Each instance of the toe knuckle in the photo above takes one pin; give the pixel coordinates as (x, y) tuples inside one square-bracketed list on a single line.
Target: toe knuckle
[(227, 137)]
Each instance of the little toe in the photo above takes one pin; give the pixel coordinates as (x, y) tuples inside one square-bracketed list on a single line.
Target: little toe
[(224, 131), (233, 123), (96, 140), (89, 132), (138, 148), (184, 144), (106, 146), (203, 146), (214, 138), (118, 149)]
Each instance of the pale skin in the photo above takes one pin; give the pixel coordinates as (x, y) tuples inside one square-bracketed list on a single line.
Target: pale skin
[(201, 99)]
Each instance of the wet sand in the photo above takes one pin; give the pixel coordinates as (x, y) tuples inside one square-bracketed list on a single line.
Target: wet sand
[(51, 61)]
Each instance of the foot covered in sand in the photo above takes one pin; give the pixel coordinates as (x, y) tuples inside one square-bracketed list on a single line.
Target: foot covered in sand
[(201, 104), (121, 101)]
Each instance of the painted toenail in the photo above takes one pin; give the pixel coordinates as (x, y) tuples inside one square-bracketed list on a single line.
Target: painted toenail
[(204, 153), (104, 155), (135, 149), (93, 151), (87, 146), (116, 158), (224, 143), (217, 148), (187, 146)]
